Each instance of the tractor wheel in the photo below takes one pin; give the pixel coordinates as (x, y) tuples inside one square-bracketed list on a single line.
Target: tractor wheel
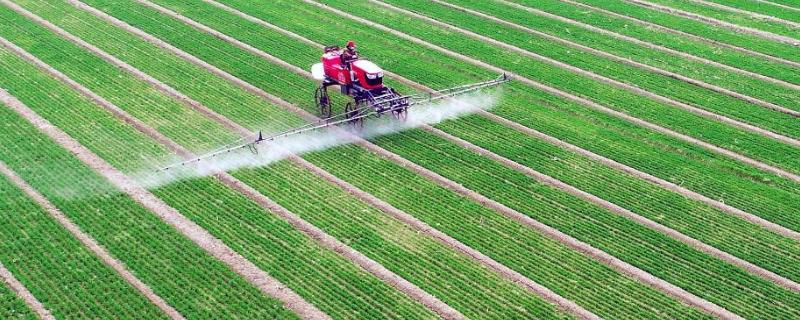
[(353, 112), (400, 113), (323, 102)]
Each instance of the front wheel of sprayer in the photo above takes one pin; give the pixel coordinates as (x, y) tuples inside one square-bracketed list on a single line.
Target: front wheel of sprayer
[(323, 102), (353, 112), (400, 113)]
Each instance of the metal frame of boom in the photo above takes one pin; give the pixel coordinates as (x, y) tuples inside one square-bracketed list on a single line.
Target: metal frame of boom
[(375, 109)]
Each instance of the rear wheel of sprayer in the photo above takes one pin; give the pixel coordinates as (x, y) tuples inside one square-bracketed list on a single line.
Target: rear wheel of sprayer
[(323, 102), (353, 112), (400, 113)]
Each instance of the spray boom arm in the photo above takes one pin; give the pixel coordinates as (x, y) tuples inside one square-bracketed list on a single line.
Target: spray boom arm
[(376, 108)]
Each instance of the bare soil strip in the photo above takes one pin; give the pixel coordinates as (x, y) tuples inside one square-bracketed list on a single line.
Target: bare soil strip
[(600, 255), (700, 246), (622, 85), (119, 63), (686, 35), (171, 216), (783, 6), (553, 182), (328, 241), (748, 13), (22, 292), (718, 23), (658, 181), (624, 38), (510, 274), (375, 268), (571, 97), (90, 243)]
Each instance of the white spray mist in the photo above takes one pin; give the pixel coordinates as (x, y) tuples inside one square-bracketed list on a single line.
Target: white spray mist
[(269, 152)]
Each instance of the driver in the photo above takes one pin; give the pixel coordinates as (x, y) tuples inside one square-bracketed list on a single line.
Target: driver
[(350, 54)]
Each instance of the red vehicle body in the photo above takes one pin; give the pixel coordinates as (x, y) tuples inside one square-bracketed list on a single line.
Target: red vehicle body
[(358, 78), (365, 73)]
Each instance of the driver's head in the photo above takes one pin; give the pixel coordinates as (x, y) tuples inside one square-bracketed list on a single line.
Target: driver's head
[(351, 45)]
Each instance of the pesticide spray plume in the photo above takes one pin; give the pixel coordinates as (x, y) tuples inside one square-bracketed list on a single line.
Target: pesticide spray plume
[(268, 152)]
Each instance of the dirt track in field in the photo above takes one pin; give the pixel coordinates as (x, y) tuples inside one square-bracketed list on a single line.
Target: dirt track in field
[(619, 36), (169, 215), (90, 243), (23, 293), (580, 100), (748, 13), (504, 271), (625, 86), (670, 186), (687, 35), (373, 267), (778, 5), (250, 48), (718, 23), (616, 83)]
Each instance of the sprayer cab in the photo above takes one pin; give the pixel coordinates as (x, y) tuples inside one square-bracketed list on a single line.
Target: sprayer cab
[(360, 79)]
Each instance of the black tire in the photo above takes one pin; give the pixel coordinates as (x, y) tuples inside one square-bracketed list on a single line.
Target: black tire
[(353, 112), (323, 102), (400, 113)]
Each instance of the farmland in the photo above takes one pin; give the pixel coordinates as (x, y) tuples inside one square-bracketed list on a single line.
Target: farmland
[(643, 162)]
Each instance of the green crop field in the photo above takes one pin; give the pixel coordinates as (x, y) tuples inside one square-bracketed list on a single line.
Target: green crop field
[(642, 162)]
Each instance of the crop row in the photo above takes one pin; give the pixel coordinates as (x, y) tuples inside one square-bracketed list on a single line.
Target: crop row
[(697, 28), (779, 263), (480, 281), (789, 3), (426, 159), (748, 143), (176, 269), (697, 70), (443, 273), (12, 307), (271, 243), (761, 8), (665, 258), (344, 223), (731, 17), (623, 142), (589, 269), (721, 230), (483, 284), (638, 31), (47, 260), (242, 35), (394, 23)]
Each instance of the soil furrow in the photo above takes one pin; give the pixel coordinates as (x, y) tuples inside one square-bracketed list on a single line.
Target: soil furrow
[(686, 35), (90, 243), (571, 97), (368, 145), (648, 223), (124, 66), (783, 6), (628, 39), (314, 232), (700, 246), (400, 215), (718, 23), (171, 216), (691, 194), (648, 177), (600, 255), (622, 85), (748, 13), (20, 289)]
